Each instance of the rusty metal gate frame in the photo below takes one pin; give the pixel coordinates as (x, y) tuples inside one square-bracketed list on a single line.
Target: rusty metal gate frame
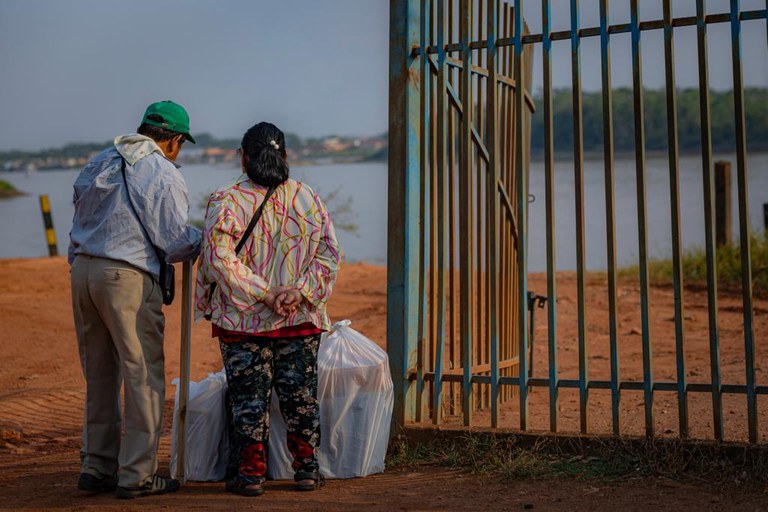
[(413, 47)]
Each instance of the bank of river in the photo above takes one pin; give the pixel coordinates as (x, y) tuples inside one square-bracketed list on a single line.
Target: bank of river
[(7, 190), (365, 185)]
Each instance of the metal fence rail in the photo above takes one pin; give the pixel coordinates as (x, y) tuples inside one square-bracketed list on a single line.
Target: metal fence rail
[(457, 290)]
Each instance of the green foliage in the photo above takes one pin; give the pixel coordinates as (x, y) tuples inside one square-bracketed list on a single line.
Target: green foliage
[(655, 115), (7, 190), (728, 267), (68, 151), (340, 210), (206, 140)]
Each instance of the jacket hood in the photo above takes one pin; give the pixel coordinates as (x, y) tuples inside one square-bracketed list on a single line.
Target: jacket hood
[(133, 147)]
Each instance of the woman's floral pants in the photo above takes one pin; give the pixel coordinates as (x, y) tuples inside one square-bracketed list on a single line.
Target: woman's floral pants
[(255, 365)]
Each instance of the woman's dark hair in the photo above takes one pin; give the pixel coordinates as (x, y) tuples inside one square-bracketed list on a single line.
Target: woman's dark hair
[(264, 149), (155, 132)]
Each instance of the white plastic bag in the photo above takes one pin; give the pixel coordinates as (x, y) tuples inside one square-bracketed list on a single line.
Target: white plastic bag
[(206, 447), (356, 400)]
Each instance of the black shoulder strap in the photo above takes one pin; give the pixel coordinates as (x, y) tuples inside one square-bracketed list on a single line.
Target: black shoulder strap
[(246, 234), (254, 221), (158, 252)]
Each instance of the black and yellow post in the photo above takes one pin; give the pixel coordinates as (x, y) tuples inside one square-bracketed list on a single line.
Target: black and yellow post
[(50, 234)]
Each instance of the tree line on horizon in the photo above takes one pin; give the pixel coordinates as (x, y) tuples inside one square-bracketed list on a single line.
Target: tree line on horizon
[(655, 113), (203, 140), (654, 109)]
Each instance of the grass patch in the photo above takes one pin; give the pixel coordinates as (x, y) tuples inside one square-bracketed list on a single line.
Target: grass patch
[(604, 459), (728, 267), (8, 190), (488, 454)]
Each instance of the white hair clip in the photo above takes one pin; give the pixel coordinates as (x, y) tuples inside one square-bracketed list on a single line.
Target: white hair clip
[(274, 144)]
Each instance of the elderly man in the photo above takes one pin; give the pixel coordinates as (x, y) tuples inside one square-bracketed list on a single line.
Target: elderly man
[(131, 211)]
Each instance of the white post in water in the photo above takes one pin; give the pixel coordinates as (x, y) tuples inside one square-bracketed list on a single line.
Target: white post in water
[(184, 361)]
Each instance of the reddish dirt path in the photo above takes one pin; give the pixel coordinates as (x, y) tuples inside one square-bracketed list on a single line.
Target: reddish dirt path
[(41, 393), (664, 360), (46, 482)]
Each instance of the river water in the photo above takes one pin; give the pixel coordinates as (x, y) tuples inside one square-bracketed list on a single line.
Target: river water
[(365, 186)]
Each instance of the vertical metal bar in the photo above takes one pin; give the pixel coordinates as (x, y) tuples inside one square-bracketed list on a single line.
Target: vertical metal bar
[(528, 55), (709, 221), (452, 215), (474, 233), (484, 206), (184, 367), (744, 229), (549, 179), (610, 211), (432, 22), (512, 338), (442, 173), (477, 215), (508, 336), (674, 194), (452, 266), (477, 246), (465, 216), (404, 221), (578, 169), (502, 137), (481, 29), (522, 214), (642, 215), (492, 193), (424, 247), (482, 214), (433, 222)]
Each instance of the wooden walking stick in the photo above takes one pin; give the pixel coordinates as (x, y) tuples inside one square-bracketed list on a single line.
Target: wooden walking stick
[(184, 361)]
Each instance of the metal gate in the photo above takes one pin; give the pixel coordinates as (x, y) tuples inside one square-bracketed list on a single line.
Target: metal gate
[(458, 198), (460, 75)]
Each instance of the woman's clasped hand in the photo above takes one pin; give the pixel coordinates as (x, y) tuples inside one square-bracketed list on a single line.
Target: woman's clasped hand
[(283, 300)]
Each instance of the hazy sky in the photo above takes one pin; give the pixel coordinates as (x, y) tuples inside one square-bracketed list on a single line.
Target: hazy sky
[(84, 70)]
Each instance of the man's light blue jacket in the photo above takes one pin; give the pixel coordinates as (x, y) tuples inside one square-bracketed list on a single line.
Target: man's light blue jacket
[(106, 226)]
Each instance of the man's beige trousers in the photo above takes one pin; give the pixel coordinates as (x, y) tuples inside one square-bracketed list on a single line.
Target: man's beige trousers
[(119, 323)]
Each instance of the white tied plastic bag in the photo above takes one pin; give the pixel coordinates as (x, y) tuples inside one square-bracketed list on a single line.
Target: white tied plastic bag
[(356, 400), (207, 438)]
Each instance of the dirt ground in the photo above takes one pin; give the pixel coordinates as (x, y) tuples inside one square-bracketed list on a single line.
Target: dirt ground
[(41, 395)]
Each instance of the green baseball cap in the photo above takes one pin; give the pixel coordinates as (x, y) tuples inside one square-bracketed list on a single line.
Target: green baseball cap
[(173, 115)]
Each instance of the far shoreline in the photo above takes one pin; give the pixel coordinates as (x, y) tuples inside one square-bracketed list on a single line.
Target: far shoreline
[(8, 191), (597, 155), (537, 157)]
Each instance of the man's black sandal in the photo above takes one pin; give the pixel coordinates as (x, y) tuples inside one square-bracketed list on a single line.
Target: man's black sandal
[(244, 489), (318, 480), (158, 485), (92, 483)]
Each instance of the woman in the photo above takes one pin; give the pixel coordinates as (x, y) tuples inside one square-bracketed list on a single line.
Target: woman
[(267, 303)]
